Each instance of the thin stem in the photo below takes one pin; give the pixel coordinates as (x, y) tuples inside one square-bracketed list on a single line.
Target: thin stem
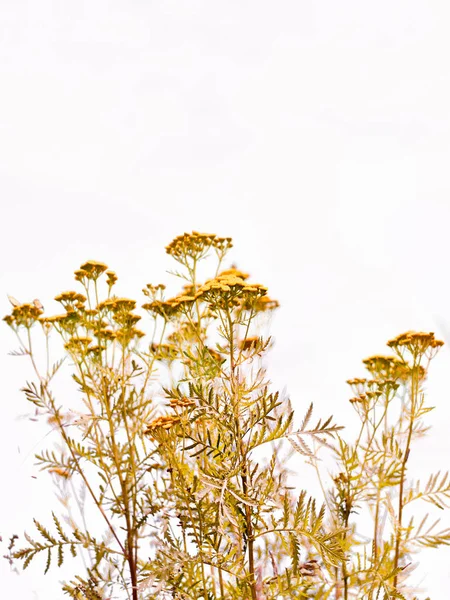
[(414, 391), (244, 470)]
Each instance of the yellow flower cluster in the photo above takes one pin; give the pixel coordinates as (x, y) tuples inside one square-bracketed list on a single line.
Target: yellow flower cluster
[(105, 333), (229, 290), (120, 309), (388, 367), (225, 289), (357, 384), (260, 304), (111, 278), (55, 318), (164, 422), (68, 322), (90, 270), (154, 292), (168, 308), (71, 300), (235, 273), (366, 397), (78, 344), (195, 245), (116, 305), (24, 315), (126, 334), (359, 399), (416, 342)]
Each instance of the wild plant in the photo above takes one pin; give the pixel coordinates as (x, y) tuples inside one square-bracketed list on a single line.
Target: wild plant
[(176, 453), (371, 485)]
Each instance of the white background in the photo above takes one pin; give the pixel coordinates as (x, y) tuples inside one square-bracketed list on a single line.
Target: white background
[(316, 134)]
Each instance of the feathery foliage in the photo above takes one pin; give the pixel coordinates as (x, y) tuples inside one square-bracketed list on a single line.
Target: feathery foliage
[(180, 446)]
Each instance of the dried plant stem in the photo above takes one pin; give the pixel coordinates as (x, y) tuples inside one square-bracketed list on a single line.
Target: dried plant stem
[(248, 517), (412, 416)]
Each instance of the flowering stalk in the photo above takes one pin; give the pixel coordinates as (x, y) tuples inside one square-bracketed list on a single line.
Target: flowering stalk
[(180, 445)]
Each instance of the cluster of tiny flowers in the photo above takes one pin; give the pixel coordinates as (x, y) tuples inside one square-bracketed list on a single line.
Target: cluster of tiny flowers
[(163, 422), (389, 367), (195, 245), (24, 315), (367, 397), (78, 344), (71, 300), (229, 290), (78, 323), (154, 292), (224, 290), (416, 342), (391, 371), (91, 271), (358, 384), (168, 309)]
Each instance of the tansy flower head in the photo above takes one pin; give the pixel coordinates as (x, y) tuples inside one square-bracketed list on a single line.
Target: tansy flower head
[(416, 342), (118, 304), (233, 271), (229, 290), (194, 245), (106, 334), (54, 318), (154, 292), (123, 304), (169, 308), (126, 319), (357, 384), (23, 315), (406, 372), (126, 334), (91, 269), (95, 350), (80, 275), (69, 323), (387, 367), (71, 299), (361, 399), (222, 245), (78, 344), (111, 278), (164, 422)]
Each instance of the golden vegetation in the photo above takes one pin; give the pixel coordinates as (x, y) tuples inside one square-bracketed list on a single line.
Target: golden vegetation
[(181, 447)]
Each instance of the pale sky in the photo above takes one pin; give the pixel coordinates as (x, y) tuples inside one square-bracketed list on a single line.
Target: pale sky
[(316, 134)]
